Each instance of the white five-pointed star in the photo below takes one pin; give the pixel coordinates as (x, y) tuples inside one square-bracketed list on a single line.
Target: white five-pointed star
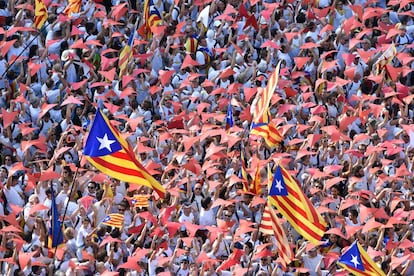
[(105, 142), (354, 260), (279, 185)]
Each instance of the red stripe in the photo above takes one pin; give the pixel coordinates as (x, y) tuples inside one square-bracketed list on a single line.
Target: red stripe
[(366, 264), (281, 237), (299, 223), (117, 168), (291, 191)]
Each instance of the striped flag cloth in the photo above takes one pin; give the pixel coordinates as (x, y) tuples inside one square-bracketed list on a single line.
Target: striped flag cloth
[(110, 153), (288, 198), (140, 201), (41, 14), (262, 124), (271, 225), (74, 6), (243, 172), (152, 18), (257, 182), (126, 55), (357, 261), (114, 220)]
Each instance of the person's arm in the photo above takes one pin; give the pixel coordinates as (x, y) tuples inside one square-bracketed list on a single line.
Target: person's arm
[(301, 250)]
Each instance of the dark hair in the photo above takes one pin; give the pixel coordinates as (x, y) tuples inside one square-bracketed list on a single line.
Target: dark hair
[(205, 202)]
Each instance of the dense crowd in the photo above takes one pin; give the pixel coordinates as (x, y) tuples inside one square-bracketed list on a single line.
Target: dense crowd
[(343, 106)]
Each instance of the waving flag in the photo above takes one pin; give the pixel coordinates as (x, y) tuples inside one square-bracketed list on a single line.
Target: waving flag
[(286, 195), (243, 172), (257, 182), (356, 260), (262, 124), (271, 225), (229, 117), (41, 14), (110, 153), (126, 54), (152, 18), (74, 6), (56, 234), (114, 220)]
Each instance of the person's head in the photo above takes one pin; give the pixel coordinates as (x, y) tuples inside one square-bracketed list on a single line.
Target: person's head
[(86, 221), (313, 252), (206, 202), (198, 189), (69, 233), (33, 199), (187, 208), (8, 160), (334, 190), (353, 214), (92, 187), (185, 262)]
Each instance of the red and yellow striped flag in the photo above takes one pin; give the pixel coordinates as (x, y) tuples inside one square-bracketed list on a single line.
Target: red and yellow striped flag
[(110, 153), (126, 55), (286, 195), (152, 18), (114, 220), (41, 14), (74, 6), (262, 124), (243, 172), (140, 200), (271, 225), (257, 182), (263, 101)]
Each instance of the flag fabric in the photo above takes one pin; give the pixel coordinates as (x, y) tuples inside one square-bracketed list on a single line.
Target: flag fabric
[(243, 172), (357, 261), (140, 201), (110, 153), (152, 18), (114, 220), (271, 225), (263, 102), (126, 55), (41, 14), (74, 6), (268, 131), (262, 124), (257, 182), (288, 198), (56, 234), (229, 117)]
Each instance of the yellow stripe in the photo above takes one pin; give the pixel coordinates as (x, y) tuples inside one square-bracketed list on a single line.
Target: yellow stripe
[(373, 265), (120, 176), (298, 216), (301, 218), (289, 181)]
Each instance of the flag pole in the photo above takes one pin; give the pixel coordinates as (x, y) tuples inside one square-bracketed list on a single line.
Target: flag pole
[(24, 49), (64, 213), (254, 248)]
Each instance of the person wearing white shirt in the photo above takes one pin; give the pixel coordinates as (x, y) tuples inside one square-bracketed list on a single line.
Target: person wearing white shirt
[(311, 259), (207, 215)]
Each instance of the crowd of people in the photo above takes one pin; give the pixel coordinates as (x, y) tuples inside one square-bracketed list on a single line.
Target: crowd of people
[(343, 106)]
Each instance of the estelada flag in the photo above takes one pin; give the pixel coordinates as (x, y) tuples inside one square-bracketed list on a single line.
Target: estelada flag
[(110, 153)]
